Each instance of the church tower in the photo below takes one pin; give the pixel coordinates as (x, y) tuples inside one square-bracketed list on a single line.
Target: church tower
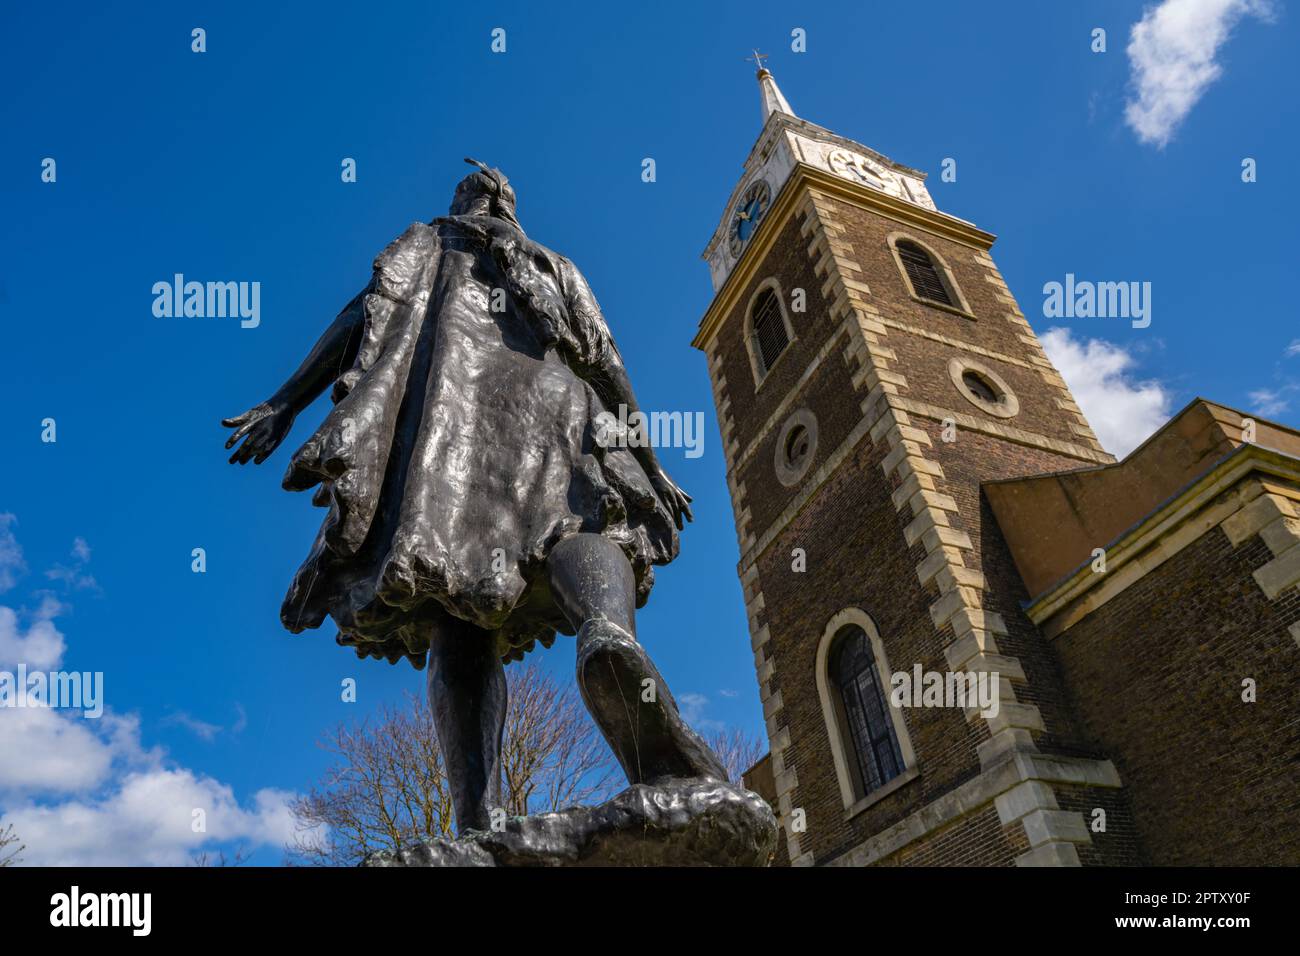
[(871, 370)]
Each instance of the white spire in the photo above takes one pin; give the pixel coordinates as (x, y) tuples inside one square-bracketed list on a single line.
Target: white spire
[(773, 101)]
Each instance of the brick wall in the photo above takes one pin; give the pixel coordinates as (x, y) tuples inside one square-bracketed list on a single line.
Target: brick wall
[(854, 543), (975, 840), (966, 462), (1156, 677)]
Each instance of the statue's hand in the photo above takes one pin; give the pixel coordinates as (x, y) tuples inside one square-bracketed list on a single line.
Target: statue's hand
[(262, 427), (677, 501)]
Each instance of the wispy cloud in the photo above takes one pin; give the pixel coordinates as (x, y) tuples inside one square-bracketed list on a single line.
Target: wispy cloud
[(74, 575), (1270, 402), (1293, 349), (1172, 57), (1122, 409), (200, 728), (693, 707), (11, 555)]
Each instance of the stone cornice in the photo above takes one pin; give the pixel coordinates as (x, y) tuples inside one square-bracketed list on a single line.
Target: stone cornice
[(1196, 509)]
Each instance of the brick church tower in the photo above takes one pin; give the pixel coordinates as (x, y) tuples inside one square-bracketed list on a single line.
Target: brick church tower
[(871, 370)]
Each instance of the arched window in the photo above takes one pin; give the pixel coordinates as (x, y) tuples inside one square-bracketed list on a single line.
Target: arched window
[(924, 275), (862, 694), (770, 336)]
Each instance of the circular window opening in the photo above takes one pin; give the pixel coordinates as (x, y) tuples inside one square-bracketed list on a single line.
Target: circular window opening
[(797, 444), (981, 387), (795, 447)]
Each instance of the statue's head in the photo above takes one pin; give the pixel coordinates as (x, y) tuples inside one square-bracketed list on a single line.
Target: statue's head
[(485, 193)]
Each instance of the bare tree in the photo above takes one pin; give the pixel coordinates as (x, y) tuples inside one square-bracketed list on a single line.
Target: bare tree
[(553, 756), (387, 788), (737, 749), (10, 857)]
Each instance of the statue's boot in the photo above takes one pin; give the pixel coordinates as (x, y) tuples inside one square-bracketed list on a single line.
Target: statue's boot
[(640, 721)]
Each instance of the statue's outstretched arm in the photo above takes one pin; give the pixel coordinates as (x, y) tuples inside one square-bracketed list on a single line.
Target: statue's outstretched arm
[(266, 424), (602, 367), (610, 381)]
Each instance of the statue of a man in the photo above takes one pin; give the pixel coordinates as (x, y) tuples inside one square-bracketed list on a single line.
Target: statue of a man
[(472, 512)]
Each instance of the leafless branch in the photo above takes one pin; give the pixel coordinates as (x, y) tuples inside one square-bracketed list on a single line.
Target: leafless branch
[(387, 787), (204, 858), (8, 839), (737, 749)]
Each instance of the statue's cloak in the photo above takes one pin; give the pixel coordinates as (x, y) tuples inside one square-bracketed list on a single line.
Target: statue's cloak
[(462, 447)]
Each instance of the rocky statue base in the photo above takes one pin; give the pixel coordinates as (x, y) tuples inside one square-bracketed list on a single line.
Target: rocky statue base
[(678, 823)]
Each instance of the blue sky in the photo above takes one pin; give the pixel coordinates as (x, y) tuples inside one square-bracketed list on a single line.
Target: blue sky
[(225, 165)]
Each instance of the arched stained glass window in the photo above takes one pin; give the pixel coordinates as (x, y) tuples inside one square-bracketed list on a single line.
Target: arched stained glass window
[(862, 693)]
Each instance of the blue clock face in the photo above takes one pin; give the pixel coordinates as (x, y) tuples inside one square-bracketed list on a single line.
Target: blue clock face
[(749, 213), (747, 221)]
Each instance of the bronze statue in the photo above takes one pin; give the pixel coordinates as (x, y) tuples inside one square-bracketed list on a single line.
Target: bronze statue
[(472, 512)]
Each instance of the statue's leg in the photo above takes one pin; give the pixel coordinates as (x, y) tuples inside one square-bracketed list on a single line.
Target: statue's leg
[(593, 584), (467, 694)]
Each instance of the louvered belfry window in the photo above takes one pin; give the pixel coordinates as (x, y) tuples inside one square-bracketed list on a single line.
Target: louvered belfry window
[(769, 328), (922, 273), (866, 709)]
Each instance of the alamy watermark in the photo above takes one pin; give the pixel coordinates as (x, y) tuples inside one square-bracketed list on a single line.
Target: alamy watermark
[(1084, 299), (653, 430), (209, 300), (964, 689), (133, 911), (65, 690)]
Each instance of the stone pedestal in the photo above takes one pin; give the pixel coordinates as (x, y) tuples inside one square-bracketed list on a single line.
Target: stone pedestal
[(679, 823)]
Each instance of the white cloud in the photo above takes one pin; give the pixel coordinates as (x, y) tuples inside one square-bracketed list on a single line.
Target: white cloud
[(52, 752), (82, 792), (1172, 53), (87, 793), (1121, 409), (1293, 348), (11, 555), (148, 820), (40, 647)]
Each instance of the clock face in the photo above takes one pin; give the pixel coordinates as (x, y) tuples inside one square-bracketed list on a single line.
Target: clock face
[(749, 213), (851, 165)]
